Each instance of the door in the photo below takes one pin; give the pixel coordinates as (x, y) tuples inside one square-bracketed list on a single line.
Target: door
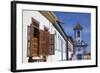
[(79, 56)]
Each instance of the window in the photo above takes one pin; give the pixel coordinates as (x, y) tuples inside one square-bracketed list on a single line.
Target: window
[(36, 33), (78, 34)]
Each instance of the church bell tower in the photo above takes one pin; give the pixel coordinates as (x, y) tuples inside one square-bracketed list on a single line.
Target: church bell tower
[(79, 44), (78, 33)]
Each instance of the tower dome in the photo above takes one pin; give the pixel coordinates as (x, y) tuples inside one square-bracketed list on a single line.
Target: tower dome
[(78, 27)]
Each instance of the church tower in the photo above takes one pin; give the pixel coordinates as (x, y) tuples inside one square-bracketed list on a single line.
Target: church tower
[(78, 33), (79, 44)]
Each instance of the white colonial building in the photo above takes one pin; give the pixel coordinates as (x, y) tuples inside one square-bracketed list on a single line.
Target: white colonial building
[(70, 48), (43, 37)]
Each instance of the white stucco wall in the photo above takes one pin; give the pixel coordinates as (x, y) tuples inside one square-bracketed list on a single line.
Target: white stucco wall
[(70, 45), (27, 15), (59, 49)]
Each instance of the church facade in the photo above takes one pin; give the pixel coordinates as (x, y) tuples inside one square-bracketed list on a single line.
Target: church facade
[(79, 44)]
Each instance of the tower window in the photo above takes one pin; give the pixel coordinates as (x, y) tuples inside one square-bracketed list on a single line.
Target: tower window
[(78, 34)]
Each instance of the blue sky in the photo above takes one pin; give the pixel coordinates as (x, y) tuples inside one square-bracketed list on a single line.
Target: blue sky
[(70, 19)]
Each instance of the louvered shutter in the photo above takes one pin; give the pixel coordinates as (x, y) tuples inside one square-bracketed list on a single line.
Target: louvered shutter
[(44, 43), (41, 42), (47, 35), (33, 42), (33, 39), (51, 44)]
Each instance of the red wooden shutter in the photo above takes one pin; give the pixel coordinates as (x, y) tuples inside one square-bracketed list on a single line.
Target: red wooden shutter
[(33, 39), (44, 43), (40, 42), (33, 42), (47, 35)]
